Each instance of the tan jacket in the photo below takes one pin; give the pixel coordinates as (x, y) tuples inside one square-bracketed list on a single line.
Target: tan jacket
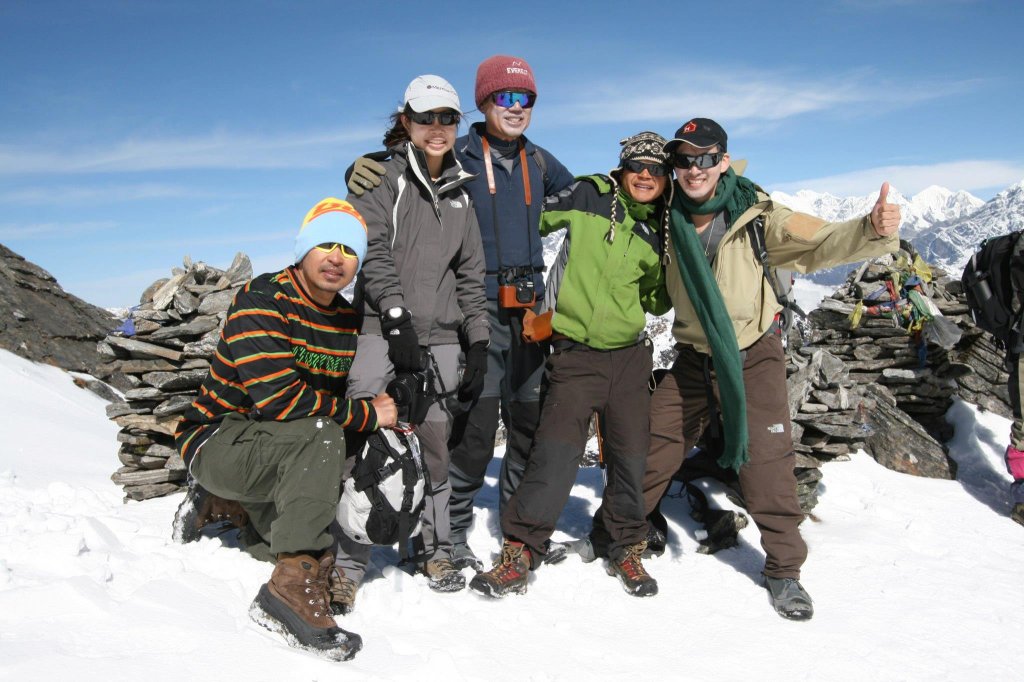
[(795, 241)]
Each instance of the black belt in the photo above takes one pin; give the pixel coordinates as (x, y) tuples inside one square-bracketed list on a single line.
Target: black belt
[(568, 344)]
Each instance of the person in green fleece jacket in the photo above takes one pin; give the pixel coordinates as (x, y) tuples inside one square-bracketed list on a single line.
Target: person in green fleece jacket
[(601, 362)]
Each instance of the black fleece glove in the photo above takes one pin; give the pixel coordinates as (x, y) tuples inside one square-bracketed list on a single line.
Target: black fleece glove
[(473, 375), (403, 344)]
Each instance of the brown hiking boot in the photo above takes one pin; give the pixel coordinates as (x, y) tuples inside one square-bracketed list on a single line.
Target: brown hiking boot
[(443, 576), (509, 574), (630, 571), (342, 592), (200, 509), (294, 603)]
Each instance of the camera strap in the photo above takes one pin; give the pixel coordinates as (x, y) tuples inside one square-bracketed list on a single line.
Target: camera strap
[(492, 188)]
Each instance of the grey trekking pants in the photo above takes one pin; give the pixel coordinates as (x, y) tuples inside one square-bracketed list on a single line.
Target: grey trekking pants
[(371, 371), (287, 476)]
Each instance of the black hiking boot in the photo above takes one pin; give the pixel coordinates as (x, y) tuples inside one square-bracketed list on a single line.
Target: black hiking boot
[(630, 571), (509, 574), (463, 557), (294, 604), (789, 598), (442, 576), (721, 530), (201, 509), (556, 553)]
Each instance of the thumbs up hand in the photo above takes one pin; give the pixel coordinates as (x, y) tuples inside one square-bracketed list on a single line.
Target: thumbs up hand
[(885, 217)]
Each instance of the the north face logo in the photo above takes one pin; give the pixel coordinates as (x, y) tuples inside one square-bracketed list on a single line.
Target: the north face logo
[(690, 127), (455, 203)]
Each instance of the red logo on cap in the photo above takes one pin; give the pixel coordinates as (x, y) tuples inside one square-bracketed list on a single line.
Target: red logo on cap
[(689, 127)]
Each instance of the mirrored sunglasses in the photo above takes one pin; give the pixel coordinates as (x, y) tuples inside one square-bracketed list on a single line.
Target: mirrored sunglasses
[(507, 99), (702, 161), (425, 118), (327, 247), (655, 169)]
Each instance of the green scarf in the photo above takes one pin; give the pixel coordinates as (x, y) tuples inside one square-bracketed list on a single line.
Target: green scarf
[(639, 212), (735, 194)]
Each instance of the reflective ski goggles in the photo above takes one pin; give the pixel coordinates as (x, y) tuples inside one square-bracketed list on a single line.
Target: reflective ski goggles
[(425, 118), (702, 161), (327, 247), (656, 170), (506, 99)]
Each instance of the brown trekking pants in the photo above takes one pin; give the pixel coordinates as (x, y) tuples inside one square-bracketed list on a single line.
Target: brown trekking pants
[(679, 414)]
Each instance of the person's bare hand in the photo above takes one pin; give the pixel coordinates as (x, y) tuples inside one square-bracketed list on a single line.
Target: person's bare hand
[(387, 412), (885, 217)]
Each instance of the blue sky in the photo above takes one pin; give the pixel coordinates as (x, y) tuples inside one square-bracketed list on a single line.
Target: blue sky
[(133, 132)]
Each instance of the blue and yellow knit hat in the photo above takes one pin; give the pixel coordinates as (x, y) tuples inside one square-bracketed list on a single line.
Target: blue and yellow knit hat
[(332, 220)]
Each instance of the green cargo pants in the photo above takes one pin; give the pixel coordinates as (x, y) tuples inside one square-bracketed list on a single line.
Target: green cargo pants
[(287, 476)]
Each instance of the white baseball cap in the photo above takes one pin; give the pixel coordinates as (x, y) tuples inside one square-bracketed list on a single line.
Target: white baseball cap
[(426, 93)]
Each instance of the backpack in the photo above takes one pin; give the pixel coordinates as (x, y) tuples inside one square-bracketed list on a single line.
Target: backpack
[(781, 281), (383, 500), (993, 281)]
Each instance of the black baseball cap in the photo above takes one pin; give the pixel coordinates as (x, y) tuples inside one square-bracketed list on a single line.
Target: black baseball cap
[(702, 133)]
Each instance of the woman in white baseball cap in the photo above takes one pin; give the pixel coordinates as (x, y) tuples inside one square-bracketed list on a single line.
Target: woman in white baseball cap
[(424, 304)]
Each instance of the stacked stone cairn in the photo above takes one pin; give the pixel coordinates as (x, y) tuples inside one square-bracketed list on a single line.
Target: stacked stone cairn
[(159, 358), (877, 365)]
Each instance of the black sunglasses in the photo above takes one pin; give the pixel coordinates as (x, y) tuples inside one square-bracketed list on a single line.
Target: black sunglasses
[(656, 170), (702, 161), (425, 118)]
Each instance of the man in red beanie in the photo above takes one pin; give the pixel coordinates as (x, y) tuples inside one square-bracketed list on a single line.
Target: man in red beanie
[(513, 176)]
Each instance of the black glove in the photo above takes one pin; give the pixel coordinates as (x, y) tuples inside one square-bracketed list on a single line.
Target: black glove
[(473, 375), (366, 173), (403, 345)]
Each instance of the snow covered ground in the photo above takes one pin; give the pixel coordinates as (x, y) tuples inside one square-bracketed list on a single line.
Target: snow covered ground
[(913, 579)]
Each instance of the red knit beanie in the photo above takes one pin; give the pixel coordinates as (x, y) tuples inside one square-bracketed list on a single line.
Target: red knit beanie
[(502, 72)]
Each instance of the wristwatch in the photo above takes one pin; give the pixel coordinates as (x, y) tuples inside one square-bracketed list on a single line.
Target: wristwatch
[(394, 313)]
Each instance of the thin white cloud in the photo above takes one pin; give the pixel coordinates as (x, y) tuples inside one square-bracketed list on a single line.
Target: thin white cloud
[(746, 98), (970, 174), (99, 194), (215, 150), (12, 231)]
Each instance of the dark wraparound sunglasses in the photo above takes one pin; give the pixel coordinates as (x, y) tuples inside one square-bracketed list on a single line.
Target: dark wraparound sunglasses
[(655, 169), (425, 118), (702, 161)]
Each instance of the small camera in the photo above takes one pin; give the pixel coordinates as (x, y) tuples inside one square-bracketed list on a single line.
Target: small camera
[(413, 393), (516, 288)]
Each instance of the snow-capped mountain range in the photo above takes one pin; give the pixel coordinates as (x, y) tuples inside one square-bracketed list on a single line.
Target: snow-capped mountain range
[(944, 226)]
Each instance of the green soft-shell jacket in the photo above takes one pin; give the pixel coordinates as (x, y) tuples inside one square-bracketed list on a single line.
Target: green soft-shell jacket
[(607, 286)]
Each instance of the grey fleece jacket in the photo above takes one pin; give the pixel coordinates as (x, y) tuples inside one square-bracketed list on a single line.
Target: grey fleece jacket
[(423, 252)]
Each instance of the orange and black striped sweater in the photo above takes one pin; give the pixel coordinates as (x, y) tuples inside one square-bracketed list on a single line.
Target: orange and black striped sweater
[(280, 357)]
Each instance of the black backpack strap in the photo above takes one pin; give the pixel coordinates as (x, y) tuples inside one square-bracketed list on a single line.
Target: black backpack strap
[(755, 230), (542, 163), (409, 478)]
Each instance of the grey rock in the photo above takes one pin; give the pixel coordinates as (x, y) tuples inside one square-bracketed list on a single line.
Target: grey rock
[(173, 405), (194, 327), (175, 381), (142, 349)]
